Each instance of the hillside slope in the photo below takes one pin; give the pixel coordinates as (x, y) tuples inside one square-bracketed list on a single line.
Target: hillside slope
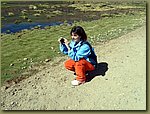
[(123, 86)]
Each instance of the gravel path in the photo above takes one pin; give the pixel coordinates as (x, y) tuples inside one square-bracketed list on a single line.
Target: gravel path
[(122, 86)]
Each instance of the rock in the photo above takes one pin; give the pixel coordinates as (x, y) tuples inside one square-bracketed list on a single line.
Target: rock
[(37, 78), (19, 35), (23, 68), (29, 81), (68, 107), (6, 87), (52, 48), (34, 87), (25, 59), (47, 60), (11, 64), (13, 93), (12, 103)]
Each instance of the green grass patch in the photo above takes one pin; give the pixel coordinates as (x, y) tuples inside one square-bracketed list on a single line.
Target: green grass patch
[(20, 51), (105, 6)]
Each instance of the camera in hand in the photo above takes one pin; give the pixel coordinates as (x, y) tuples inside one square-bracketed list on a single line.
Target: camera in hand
[(62, 40)]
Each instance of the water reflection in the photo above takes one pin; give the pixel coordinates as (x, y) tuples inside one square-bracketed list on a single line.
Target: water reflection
[(13, 28)]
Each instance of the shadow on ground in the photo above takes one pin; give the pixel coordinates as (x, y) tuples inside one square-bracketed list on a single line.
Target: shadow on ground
[(99, 71)]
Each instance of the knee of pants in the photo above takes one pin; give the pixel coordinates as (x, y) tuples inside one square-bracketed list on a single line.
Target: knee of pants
[(69, 64), (66, 64), (80, 63)]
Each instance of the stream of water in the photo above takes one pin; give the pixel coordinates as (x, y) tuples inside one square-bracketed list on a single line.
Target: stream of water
[(13, 28)]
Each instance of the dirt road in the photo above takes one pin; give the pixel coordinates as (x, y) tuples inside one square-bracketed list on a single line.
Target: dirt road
[(122, 86)]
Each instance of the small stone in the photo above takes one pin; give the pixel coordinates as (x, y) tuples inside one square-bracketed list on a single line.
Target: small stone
[(34, 87), (25, 59), (47, 60), (11, 64), (37, 78), (30, 67), (24, 67), (6, 87), (12, 103), (68, 107), (29, 81), (52, 48), (13, 93)]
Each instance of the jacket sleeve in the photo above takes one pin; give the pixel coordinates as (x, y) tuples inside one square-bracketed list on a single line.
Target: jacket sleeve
[(82, 52), (63, 48)]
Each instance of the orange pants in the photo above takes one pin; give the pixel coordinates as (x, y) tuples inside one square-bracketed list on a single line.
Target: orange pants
[(79, 67)]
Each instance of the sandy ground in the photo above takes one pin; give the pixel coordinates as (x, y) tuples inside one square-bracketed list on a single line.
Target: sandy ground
[(122, 86)]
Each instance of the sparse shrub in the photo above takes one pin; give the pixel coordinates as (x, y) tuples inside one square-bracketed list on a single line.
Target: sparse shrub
[(87, 5), (17, 21), (47, 27), (4, 3), (24, 17), (11, 14), (105, 15), (2, 17), (29, 20), (48, 16), (32, 7), (24, 12), (57, 12), (44, 5), (70, 14), (37, 27), (104, 5), (37, 14), (39, 11)]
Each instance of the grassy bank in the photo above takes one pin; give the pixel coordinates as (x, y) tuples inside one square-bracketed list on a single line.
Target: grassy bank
[(22, 51)]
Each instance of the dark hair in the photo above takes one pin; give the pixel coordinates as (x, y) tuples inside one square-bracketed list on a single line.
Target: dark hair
[(79, 31)]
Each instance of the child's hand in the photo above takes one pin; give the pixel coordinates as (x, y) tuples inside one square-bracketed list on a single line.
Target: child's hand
[(66, 41), (61, 40)]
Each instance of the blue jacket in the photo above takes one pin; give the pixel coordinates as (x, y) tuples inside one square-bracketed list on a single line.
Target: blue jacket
[(77, 51)]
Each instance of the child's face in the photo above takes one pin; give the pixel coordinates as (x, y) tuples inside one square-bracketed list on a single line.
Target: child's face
[(75, 37)]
